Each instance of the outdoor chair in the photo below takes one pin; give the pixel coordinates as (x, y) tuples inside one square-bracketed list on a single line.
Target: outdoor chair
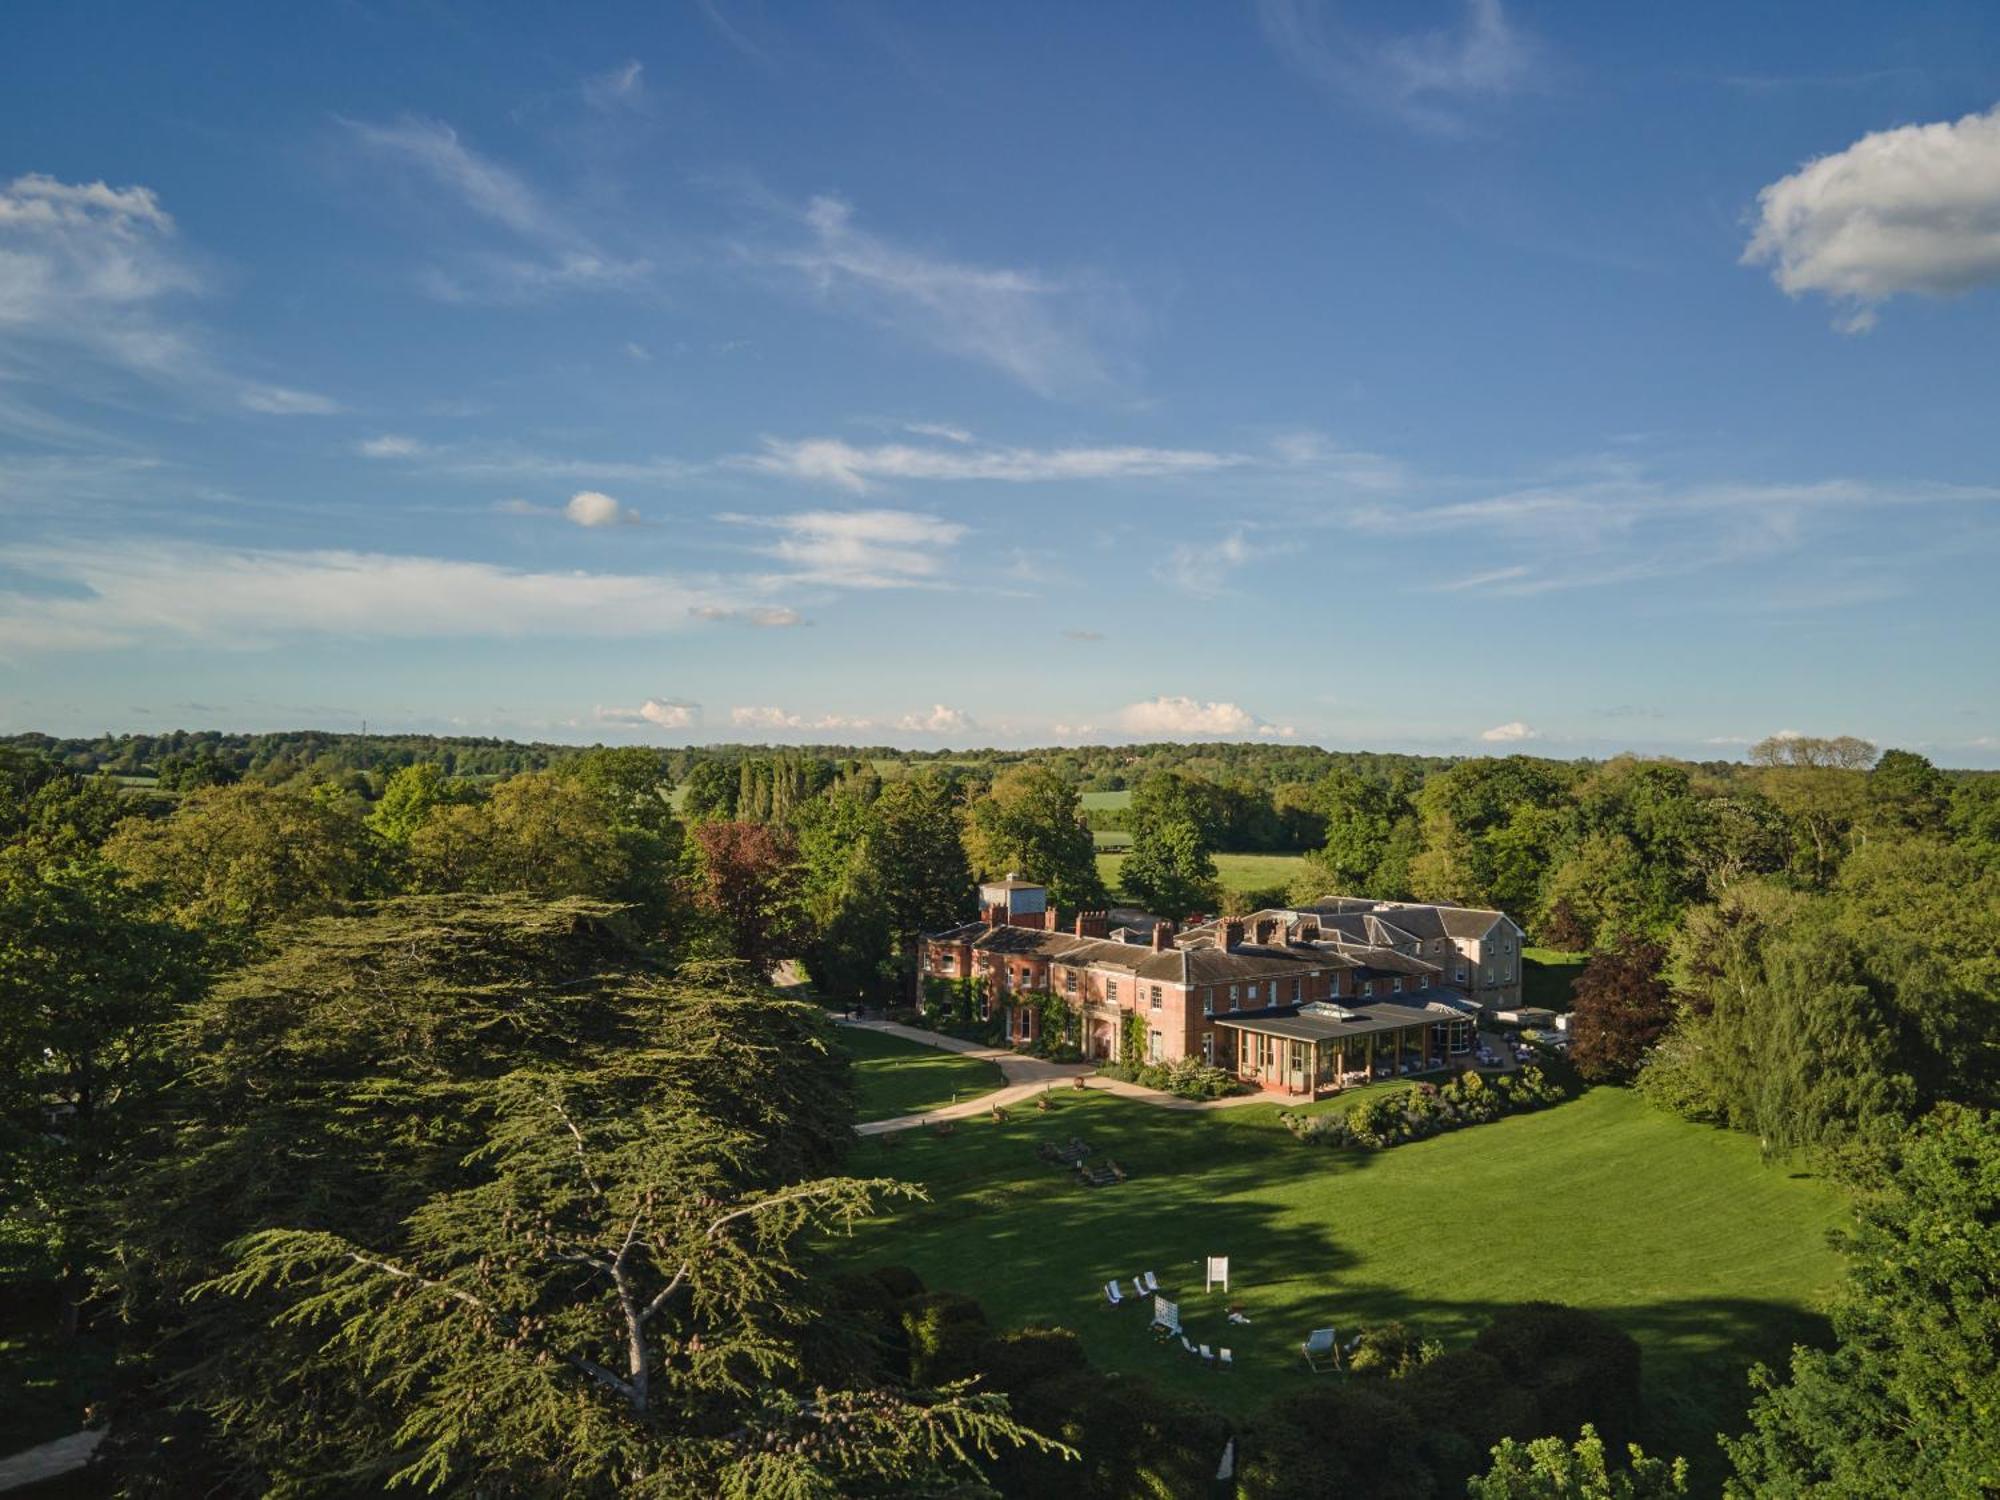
[(1111, 1294), (1187, 1343), (1207, 1355), (1224, 1360), (1152, 1282), (1138, 1292), (1320, 1345)]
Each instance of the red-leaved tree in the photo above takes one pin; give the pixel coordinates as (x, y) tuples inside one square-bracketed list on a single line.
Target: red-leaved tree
[(745, 883), (1622, 1007)]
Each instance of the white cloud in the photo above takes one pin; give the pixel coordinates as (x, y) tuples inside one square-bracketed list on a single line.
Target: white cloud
[(1203, 568), (1277, 731), (1913, 209), (565, 258), (663, 713), (282, 401), (772, 719), (766, 616), (87, 596), (595, 508), (1029, 326), (938, 720), (1173, 718), (860, 548), (1509, 733), (943, 430), (622, 86), (1083, 636), (93, 270), (1429, 77), (832, 461), (389, 445)]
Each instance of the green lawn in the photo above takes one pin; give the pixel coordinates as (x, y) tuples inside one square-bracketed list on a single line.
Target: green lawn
[(1676, 1231), (896, 1077), (1238, 872), (1105, 801), (1546, 976)]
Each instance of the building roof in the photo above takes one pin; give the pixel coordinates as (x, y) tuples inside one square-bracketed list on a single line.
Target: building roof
[(1325, 1021), (1012, 883)]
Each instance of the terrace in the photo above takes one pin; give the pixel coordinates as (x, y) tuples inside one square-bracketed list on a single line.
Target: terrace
[(1324, 1047)]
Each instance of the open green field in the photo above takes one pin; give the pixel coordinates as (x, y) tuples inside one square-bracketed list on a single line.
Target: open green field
[(1105, 801), (1546, 976), (894, 1077), (1677, 1232), (1238, 872)]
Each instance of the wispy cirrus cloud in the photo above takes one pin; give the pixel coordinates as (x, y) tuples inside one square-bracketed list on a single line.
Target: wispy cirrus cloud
[(78, 596), (1915, 209), (548, 248), (763, 616), (869, 549), (1431, 78), (1035, 328), (94, 282), (850, 467)]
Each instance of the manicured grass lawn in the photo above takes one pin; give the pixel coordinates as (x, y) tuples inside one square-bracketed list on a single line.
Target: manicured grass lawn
[(896, 1077), (1676, 1231), (1238, 872), (1546, 976)]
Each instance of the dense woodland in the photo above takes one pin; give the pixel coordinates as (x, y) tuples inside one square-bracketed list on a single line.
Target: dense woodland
[(414, 1110)]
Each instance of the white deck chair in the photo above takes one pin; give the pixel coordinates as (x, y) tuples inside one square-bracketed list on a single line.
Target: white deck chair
[(1224, 1360), (1187, 1343), (1138, 1291), (1149, 1283), (1111, 1293), (1207, 1355), (1319, 1345)]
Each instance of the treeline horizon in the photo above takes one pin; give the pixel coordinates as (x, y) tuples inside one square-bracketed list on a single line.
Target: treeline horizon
[(136, 753)]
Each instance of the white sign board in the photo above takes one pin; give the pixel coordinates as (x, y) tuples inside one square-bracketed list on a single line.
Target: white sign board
[(1218, 1270)]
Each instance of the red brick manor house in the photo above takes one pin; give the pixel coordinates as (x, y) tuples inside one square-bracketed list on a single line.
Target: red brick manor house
[(1297, 1000)]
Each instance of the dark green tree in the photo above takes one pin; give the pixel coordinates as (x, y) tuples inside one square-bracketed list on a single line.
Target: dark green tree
[(1170, 868), (1032, 822), (1903, 1402)]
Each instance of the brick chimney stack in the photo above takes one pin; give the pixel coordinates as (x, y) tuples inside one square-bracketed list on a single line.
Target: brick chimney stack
[(996, 914), (1092, 924), (1050, 923), (1163, 936), (1265, 930), (1232, 934)]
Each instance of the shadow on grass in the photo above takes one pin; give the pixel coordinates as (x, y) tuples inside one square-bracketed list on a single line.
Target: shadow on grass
[(1035, 1246)]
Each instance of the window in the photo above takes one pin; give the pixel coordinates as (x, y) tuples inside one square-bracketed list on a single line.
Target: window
[(1069, 980), (1232, 998), (1396, 986), (1153, 997), (1367, 988), (1295, 992), (1208, 1048), (1152, 1046), (1208, 1002), (1487, 974), (1111, 991), (1459, 974)]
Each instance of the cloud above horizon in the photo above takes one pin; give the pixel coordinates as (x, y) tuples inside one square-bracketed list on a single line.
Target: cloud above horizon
[(1175, 717), (849, 467), (97, 272), (1429, 78), (99, 597), (1508, 734), (662, 713), (1913, 209), (863, 549), (1031, 327)]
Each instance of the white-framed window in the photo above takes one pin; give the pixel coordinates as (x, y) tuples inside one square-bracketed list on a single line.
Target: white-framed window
[(1232, 997), (1396, 986), (1152, 1046), (1111, 990), (1069, 980), (1208, 1002), (1153, 997)]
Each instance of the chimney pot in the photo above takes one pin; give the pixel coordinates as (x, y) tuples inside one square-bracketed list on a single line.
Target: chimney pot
[(1232, 934)]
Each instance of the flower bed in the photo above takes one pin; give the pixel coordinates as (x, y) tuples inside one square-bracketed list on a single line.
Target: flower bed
[(1430, 1109)]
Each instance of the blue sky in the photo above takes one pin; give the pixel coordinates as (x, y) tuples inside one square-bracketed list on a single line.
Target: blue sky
[(1433, 375)]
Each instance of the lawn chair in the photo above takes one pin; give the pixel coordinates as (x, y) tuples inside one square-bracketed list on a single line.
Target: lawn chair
[(1224, 1360), (1149, 1283), (1320, 1345), (1111, 1294), (1207, 1355), (1138, 1292), (1187, 1343)]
